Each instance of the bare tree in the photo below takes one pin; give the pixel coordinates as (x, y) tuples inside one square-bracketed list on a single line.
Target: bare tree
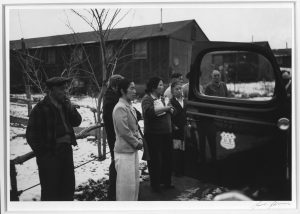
[(31, 67), (109, 53), (108, 18), (33, 72), (72, 65)]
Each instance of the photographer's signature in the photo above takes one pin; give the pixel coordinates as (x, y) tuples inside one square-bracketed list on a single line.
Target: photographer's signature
[(270, 204)]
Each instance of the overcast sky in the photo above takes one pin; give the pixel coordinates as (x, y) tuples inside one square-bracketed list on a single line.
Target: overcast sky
[(219, 24)]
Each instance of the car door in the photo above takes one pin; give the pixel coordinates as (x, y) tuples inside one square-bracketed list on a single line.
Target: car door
[(238, 116)]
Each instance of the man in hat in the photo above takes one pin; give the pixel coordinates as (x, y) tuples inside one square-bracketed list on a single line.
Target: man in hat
[(50, 135)]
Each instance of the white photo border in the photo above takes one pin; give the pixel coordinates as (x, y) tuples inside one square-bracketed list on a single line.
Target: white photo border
[(136, 207)]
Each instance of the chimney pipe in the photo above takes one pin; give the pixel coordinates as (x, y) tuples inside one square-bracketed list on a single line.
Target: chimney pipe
[(23, 44), (161, 25)]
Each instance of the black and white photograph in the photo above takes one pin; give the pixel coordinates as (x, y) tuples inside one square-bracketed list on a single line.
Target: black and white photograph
[(149, 106)]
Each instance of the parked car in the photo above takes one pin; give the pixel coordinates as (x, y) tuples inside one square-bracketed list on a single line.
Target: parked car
[(238, 131)]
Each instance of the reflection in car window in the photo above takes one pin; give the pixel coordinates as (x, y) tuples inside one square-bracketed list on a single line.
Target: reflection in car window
[(216, 87), (237, 74)]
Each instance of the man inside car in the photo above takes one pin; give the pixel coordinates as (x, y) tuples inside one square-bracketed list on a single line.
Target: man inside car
[(216, 87)]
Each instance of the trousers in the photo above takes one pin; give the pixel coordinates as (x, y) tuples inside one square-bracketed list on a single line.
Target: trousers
[(128, 177), (111, 193), (56, 172), (160, 163)]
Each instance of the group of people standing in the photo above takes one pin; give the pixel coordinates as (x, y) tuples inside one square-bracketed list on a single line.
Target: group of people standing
[(164, 121), (50, 134), (163, 131)]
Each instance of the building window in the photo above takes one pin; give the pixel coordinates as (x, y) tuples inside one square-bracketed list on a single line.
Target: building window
[(51, 56), (140, 50)]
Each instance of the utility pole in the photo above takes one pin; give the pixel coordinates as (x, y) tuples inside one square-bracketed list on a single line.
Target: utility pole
[(252, 38), (161, 25)]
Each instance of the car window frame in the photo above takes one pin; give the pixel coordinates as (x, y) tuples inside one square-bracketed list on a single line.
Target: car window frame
[(278, 91)]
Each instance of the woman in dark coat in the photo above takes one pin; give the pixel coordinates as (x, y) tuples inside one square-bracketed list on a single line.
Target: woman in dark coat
[(178, 123), (158, 134)]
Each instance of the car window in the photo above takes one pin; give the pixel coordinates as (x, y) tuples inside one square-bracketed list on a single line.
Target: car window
[(237, 75)]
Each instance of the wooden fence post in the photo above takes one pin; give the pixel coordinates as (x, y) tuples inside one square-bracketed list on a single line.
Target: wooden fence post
[(13, 182), (98, 136)]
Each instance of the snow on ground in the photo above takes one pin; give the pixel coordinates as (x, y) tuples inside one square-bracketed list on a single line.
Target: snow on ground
[(262, 90), (85, 151), (18, 110), (88, 118), (188, 193)]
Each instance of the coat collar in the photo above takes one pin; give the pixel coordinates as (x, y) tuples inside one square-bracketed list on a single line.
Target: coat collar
[(47, 100), (54, 102), (128, 105), (153, 97), (125, 102), (175, 102)]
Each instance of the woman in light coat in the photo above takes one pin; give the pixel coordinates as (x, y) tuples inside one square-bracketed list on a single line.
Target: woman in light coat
[(128, 142)]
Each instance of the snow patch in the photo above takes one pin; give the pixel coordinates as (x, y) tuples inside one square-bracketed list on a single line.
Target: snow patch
[(188, 194)]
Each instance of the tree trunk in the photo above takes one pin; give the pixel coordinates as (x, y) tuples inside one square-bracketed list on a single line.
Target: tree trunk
[(99, 120), (103, 89), (104, 142), (13, 182)]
